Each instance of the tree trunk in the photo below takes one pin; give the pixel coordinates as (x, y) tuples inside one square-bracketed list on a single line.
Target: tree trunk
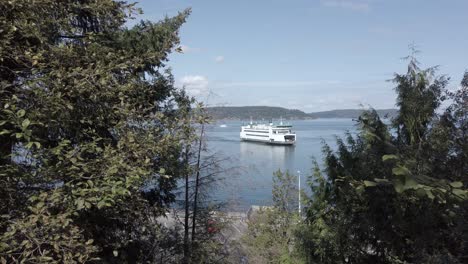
[(186, 259), (195, 200), (5, 150)]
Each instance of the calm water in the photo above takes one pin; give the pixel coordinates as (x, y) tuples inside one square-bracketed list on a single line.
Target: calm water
[(251, 182)]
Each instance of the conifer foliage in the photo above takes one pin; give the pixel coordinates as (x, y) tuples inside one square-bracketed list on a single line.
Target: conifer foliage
[(396, 193), (88, 117)]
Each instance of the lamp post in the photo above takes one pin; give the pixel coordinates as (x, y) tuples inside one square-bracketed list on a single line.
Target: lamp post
[(299, 176)]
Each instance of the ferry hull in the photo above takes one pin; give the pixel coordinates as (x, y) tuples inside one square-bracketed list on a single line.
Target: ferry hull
[(269, 142)]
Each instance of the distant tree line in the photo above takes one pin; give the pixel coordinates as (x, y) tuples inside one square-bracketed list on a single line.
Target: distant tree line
[(257, 113), (353, 113), (267, 113)]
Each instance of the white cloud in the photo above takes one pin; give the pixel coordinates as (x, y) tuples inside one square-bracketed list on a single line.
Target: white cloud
[(188, 49), (219, 59), (194, 84), (356, 5)]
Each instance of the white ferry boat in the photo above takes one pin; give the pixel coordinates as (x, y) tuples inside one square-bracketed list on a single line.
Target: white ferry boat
[(268, 133)]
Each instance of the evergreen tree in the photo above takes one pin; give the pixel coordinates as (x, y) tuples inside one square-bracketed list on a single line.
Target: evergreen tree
[(395, 193), (91, 131)]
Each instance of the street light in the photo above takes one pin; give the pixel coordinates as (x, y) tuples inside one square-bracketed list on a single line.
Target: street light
[(299, 176)]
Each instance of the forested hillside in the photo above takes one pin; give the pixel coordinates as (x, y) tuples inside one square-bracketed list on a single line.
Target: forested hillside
[(352, 113), (255, 112), (270, 112)]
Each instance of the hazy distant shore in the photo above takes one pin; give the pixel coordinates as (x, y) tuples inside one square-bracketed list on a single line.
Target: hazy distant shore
[(274, 113)]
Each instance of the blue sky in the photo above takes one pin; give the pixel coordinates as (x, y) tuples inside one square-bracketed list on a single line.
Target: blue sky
[(311, 55)]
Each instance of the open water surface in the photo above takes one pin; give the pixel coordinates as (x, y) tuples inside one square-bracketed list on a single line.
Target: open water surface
[(250, 183)]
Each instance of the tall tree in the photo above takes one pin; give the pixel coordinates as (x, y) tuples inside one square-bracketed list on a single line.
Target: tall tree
[(395, 193), (202, 120), (91, 131)]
